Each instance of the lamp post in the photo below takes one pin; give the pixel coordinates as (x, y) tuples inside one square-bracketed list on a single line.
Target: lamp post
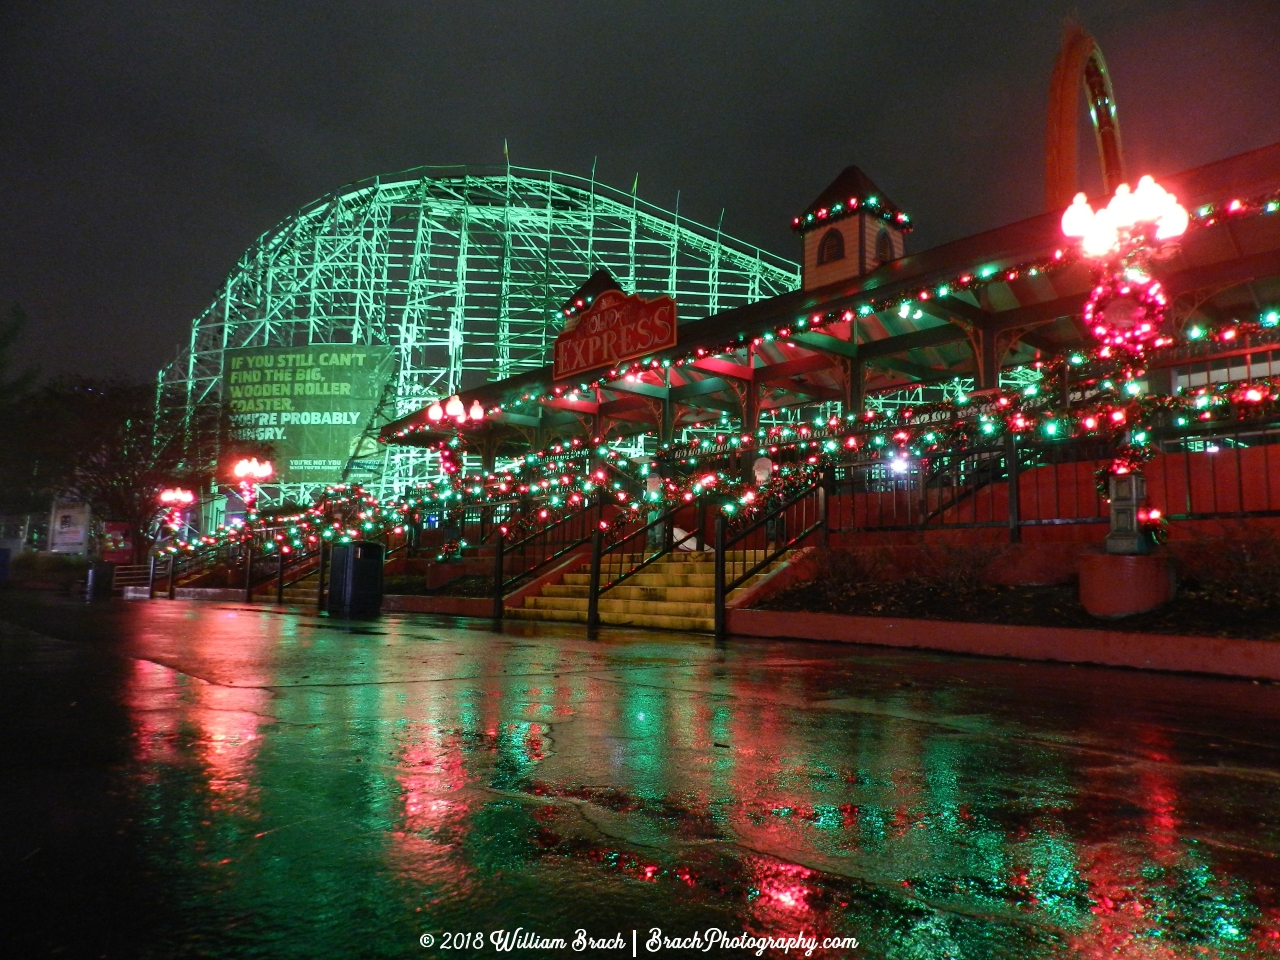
[(1126, 312), (250, 472)]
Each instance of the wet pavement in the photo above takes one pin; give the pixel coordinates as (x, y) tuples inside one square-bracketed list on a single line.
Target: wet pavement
[(201, 780)]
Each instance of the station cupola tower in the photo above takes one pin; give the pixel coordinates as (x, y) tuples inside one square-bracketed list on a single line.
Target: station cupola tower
[(850, 229)]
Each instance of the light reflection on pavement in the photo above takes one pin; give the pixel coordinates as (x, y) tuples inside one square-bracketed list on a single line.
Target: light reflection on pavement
[(295, 786)]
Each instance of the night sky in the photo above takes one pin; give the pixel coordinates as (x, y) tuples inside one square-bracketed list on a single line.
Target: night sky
[(144, 146)]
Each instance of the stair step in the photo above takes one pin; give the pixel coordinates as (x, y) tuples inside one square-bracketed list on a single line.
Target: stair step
[(684, 624), (629, 592), (657, 608), (648, 579)]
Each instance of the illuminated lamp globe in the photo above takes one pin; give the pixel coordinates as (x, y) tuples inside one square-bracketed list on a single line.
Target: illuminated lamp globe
[(1124, 208), (1077, 218), (454, 408), (477, 411), (1102, 236), (435, 412), (1174, 223)]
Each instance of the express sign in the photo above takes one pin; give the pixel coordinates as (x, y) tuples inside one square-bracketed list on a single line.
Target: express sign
[(616, 327)]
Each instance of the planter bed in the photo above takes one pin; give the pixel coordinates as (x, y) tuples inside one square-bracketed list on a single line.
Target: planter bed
[(1193, 611)]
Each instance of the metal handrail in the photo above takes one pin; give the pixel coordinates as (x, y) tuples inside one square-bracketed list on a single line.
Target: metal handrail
[(502, 582), (599, 551), (723, 585)]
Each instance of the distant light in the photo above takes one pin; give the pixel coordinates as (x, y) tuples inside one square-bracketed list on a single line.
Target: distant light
[(251, 468)]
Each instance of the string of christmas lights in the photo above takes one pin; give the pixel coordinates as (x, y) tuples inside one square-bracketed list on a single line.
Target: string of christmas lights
[(969, 281)]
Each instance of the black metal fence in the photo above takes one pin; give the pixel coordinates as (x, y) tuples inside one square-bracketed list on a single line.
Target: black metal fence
[(521, 558), (741, 554), (615, 560)]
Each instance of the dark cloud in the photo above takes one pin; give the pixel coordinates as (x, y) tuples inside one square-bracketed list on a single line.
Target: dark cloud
[(143, 146)]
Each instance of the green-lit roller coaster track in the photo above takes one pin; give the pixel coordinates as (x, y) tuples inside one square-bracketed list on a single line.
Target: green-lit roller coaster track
[(458, 273)]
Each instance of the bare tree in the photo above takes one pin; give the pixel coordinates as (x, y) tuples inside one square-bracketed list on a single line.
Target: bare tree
[(114, 447)]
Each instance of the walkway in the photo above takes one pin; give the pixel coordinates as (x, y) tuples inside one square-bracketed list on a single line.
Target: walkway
[(215, 779)]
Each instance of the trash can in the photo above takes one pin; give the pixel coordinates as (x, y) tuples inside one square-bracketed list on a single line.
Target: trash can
[(355, 580), (101, 581)]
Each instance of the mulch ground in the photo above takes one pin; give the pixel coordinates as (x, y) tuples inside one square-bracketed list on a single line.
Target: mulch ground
[(1194, 612), (468, 586)]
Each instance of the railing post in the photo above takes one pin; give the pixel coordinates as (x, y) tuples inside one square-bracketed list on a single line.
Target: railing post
[(823, 538), (248, 573), (280, 577), (719, 578), (593, 588), (173, 576), (497, 574), (151, 579), (320, 590), (1011, 471)]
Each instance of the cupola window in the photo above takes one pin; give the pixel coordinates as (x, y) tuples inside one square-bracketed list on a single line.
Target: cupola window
[(831, 247)]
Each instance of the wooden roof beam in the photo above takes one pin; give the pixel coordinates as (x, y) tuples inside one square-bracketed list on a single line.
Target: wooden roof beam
[(916, 371), (917, 340), (725, 368), (952, 306), (699, 388), (793, 368), (565, 403), (639, 388), (826, 343)]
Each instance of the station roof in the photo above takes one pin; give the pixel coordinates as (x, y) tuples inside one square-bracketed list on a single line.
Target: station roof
[(848, 193), (907, 322)]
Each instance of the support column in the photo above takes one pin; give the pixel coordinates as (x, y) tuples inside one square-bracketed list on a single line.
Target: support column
[(987, 355), (750, 421), (598, 426), (489, 453), (667, 421), (854, 392)]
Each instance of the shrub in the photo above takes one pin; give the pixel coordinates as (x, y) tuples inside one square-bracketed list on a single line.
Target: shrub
[(1244, 570), (405, 583), (54, 568), (958, 570)]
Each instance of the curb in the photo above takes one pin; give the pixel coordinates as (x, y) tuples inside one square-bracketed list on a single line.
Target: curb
[(1252, 659)]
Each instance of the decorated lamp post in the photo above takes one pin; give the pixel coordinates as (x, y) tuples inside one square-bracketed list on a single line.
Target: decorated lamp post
[(1127, 312), (175, 500), (250, 472)]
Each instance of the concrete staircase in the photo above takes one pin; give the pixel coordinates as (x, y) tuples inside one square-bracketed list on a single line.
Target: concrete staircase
[(301, 593), (675, 593), (475, 560)]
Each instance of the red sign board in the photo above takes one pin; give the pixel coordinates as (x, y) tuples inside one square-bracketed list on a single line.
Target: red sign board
[(616, 327)]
